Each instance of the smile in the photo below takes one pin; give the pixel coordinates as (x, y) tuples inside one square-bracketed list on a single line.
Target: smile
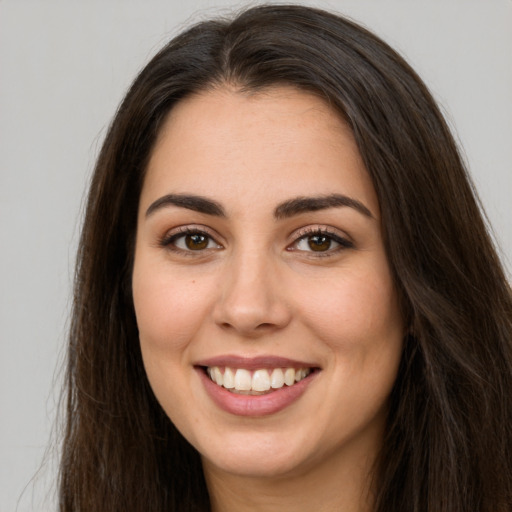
[(255, 382), (255, 386)]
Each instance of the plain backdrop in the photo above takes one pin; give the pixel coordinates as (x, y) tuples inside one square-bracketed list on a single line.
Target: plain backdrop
[(64, 66)]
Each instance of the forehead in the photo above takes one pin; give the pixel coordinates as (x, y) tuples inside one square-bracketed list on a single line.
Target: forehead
[(272, 144)]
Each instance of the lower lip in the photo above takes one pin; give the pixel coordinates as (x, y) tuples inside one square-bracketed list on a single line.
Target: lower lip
[(255, 405)]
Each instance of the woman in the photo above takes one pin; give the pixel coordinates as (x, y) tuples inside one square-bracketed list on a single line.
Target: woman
[(286, 296)]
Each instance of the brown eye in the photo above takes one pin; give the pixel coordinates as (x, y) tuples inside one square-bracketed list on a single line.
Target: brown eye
[(319, 243), (191, 241), (323, 243), (196, 242)]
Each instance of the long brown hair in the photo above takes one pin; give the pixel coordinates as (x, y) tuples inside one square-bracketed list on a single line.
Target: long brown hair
[(449, 437)]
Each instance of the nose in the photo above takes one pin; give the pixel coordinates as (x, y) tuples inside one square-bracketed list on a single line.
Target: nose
[(251, 299)]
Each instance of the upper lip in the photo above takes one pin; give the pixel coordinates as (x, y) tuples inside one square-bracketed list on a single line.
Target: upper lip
[(254, 363)]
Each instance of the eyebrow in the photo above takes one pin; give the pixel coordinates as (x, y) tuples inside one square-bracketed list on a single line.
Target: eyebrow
[(312, 204), (287, 209), (190, 202)]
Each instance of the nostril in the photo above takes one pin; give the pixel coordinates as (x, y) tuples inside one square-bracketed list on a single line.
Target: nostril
[(257, 329), (264, 326), (250, 314)]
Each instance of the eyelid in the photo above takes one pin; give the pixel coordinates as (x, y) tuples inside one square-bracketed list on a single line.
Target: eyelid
[(319, 228), (335, 234), (173, 234), (338, 236)]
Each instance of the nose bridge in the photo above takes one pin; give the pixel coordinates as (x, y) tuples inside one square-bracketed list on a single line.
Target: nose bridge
[(250, 299)]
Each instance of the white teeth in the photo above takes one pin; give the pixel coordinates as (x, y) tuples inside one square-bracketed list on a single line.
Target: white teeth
[(289, 376), (243, 380), (217, 376), (277, 379), (300, 374), (229, 378), (258, 381)]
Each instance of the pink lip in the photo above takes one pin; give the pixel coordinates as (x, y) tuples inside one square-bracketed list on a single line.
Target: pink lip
[(254, 363), (254, 405)]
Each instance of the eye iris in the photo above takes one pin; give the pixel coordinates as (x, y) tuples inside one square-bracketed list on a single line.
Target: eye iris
[(196, 242), (319, 243)]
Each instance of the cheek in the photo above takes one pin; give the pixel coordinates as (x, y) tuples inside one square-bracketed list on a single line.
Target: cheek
[(357, 313), (168, 308)]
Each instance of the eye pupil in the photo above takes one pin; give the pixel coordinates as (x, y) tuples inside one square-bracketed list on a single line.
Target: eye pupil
[(319, 243), (196, 242)]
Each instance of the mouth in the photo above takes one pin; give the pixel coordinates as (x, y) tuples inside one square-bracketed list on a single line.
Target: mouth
[(260, 381), (255, 386)]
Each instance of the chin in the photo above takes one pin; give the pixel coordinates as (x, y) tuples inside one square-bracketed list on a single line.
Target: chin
[(254, 467), (256, 457)]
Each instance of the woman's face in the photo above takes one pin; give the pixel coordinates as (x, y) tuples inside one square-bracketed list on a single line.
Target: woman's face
[(260, 264)]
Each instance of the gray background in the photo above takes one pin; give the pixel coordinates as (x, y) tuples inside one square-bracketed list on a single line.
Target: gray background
[(64, 66)]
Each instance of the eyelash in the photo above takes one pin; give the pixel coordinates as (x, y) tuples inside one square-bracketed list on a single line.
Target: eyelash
[(310, 232), (169, 241)]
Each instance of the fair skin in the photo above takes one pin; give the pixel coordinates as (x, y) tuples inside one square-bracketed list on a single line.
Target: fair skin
[(262, 272)]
